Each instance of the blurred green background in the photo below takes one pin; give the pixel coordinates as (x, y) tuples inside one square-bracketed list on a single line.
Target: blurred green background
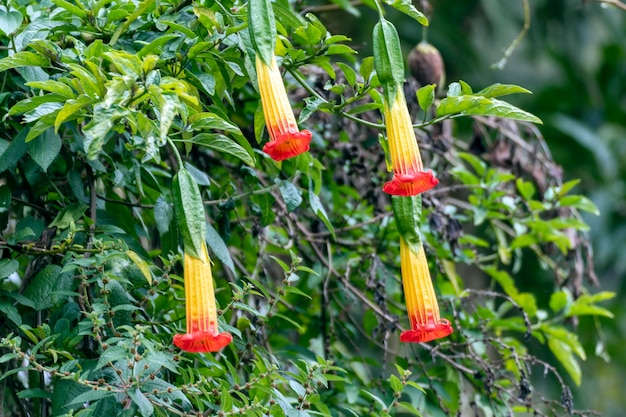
[(573, 58)]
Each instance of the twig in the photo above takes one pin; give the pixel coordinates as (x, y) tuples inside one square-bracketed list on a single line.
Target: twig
[(500, 64), (615, 3)]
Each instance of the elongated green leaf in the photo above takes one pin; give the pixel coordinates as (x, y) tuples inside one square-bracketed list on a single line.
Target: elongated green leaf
[(23, 59), (388, 59), (406, 7), (318, 209), (143, 7), (503, 109), (12, 153), (565, 355), (145, 406), (141, 264), (73, 9), (477, 105), (45, 148), (456, 104), (189, 212), (408, 212), (53, 87), (219, 248), (221, 143), (262, 28), (497, 90), (580, 202), (71, 110)]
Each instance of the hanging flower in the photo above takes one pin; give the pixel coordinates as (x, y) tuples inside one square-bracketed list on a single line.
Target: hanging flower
[(202, 331), (286, 140), (409, 176), (421, 302)]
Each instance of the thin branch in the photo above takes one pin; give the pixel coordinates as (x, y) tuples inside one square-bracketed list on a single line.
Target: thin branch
[(509, 51), (615, 3)]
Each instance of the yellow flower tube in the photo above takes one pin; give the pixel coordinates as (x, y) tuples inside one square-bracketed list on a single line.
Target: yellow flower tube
[(421, 301), (409, 176), (286, 140), (202, 330)]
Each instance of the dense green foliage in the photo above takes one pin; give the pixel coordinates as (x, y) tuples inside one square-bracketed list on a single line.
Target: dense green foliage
[(103, 103)]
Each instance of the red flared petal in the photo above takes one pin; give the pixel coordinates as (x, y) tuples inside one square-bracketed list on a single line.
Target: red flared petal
[(202, 341), (427, 332), (410, 184), (288, 145)]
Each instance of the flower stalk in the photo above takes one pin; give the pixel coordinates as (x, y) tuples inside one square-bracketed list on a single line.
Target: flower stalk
[(202, 329)]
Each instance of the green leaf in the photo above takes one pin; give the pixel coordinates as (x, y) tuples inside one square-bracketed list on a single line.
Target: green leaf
[(455, 104), (12, 153), (97, 130), (395, 383), (23, 59), (504, 279), (91, 395), (8, 266), (262, 29), (45, 148), (388, 59), (564, 354), (406, 7), (585, 305), (52, 86), (143, 7), (222, 143), (366, 68), (5, 198), (526, 188), (477, 105), (68, 215), (206, 81), (219, 248), (189, 212), (318, 209), (10, 312), (41, 291), (143, 403), (477, 164), (10, 21), (503, 109), (141, 264), (340, 49), (71, 110), (75, 10), (558, 300), (291, 195), (497, 90), (408, 215), (264, 207), (426, 96), (163, 214), (348, 72), (579, 202)]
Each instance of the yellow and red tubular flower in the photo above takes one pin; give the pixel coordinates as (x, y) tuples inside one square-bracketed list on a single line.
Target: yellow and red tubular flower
[(421, 302), (409, 176), (202, 331), (286, 140)]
